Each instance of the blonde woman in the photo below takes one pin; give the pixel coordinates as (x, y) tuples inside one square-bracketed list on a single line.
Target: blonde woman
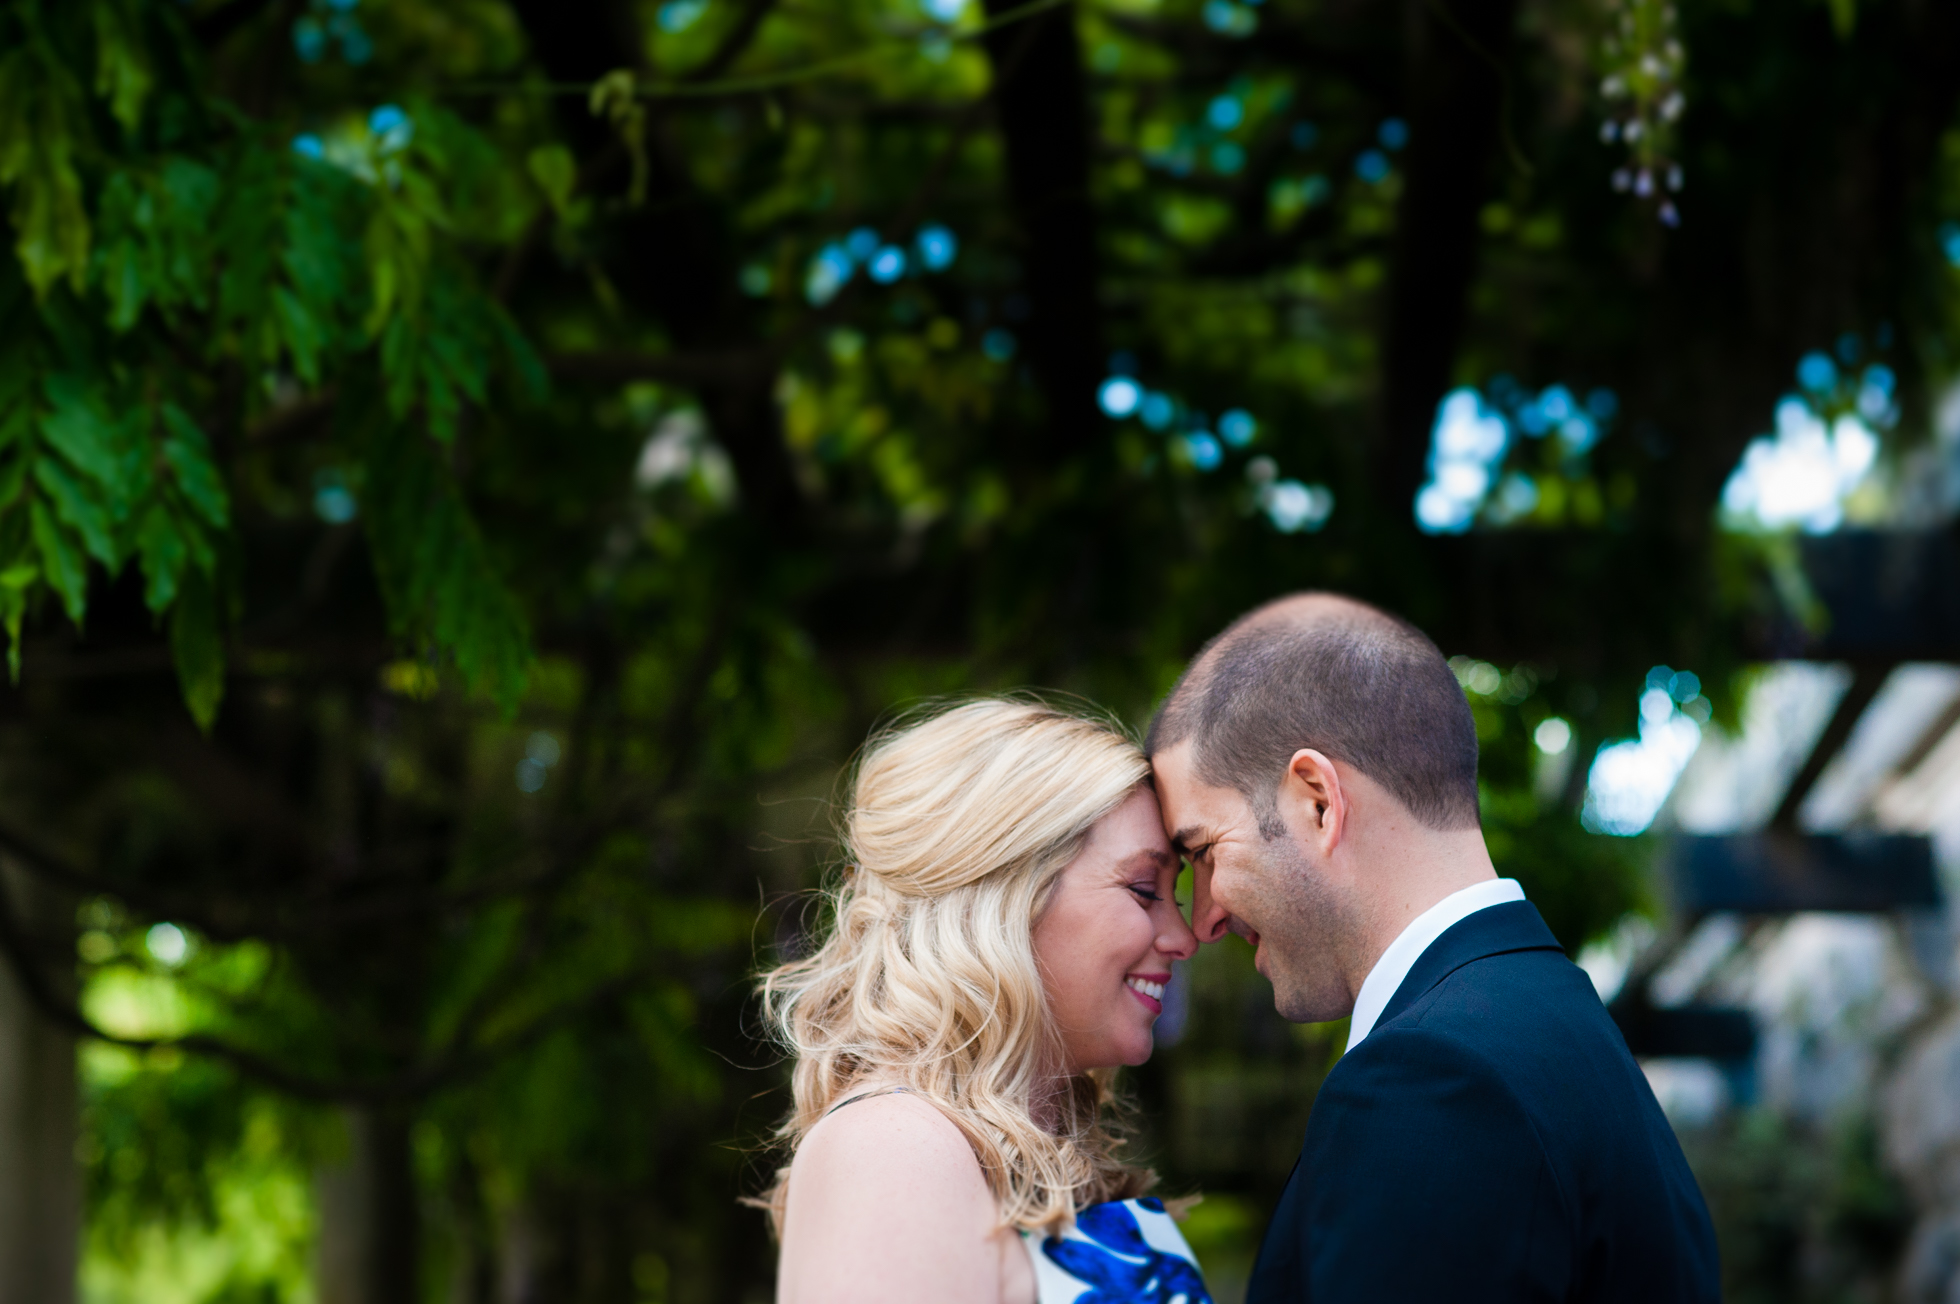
[(999, 945)]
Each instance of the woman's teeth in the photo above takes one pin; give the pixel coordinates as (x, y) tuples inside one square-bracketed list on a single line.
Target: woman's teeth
[(1155, 991)]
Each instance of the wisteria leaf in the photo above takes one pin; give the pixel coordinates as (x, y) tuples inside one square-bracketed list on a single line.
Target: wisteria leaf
[(65, 564), (189, 456)]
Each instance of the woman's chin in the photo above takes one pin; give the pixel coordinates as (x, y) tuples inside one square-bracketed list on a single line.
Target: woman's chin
[(1127, 1056)]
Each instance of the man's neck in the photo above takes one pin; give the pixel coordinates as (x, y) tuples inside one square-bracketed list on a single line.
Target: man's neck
[(1428, 867)]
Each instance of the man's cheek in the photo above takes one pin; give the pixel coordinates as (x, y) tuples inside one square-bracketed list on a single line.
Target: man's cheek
[(1227, 891)]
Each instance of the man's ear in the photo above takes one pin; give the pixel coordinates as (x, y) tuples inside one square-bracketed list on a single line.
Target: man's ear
[(1312, 789)]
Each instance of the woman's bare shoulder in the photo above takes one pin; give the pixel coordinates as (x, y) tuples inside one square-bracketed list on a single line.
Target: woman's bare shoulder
[(887, 1202), (900, 1134)]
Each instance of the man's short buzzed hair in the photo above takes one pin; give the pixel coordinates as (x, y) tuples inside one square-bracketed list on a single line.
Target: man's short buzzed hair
[(1322, 671)]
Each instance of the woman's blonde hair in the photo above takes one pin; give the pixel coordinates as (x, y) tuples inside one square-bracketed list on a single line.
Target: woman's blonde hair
[(958, 825)]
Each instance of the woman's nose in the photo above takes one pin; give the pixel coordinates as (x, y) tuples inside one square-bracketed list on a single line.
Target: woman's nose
[(1177, 940)]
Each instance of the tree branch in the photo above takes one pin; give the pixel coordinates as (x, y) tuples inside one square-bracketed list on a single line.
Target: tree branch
[(737, 40), (295, 420), (1277, 42), (618, 366), (452, 1064), (217, 26)]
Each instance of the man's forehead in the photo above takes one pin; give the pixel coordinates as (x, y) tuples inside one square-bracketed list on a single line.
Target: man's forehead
[(1178, 781), (1195, 812), (1176, 756)]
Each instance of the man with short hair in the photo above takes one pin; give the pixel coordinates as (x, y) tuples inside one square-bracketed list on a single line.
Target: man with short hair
[(1486, 1136)]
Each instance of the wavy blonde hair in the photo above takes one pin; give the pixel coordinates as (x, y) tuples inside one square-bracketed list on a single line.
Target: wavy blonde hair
[(958, 825)]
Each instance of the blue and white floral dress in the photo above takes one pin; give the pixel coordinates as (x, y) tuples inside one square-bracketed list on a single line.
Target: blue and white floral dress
[(1118, 1252)]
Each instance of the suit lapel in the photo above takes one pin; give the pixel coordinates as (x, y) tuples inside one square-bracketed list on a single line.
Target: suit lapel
[(1494, 930)]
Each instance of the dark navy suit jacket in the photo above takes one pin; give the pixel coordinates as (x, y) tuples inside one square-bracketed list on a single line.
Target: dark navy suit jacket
[(1491, 1139)]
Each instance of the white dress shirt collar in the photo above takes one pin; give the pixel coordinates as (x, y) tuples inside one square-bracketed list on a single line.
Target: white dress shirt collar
[(1404, 951)]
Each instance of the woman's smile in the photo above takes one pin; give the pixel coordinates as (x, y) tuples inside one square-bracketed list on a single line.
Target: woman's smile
[(1148, 988)]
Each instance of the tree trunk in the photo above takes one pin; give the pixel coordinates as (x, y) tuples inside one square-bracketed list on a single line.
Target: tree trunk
[(368, 1251), (1457, 49), (40, 1187), (1044, 123)]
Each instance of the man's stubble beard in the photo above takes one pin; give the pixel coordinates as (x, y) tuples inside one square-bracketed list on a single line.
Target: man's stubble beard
[(1303, 929)]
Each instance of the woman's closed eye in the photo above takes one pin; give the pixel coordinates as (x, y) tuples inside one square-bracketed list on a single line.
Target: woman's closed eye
[(1152, 895)]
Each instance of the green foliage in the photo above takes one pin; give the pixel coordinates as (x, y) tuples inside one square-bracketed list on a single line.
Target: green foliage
[(1803, 1213), (42, 106), (197, 1186), (523, 704), (200, 236), (442, 590)]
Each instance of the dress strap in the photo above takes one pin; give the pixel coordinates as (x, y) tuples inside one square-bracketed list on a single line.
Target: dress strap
[(866, 1095)]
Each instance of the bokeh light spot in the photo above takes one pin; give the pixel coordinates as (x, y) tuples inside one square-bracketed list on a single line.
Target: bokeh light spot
[(1229, 19), (309, 39), (1800, 475), (1816, 372), (1468, 440), (862, 243), (679, 15), (1552, 735), (333, 501), (937, 247), (1630, 780), (391, 128), (887, 265), (1293, 506), (168, 944), (829, 270), (1119, 396)]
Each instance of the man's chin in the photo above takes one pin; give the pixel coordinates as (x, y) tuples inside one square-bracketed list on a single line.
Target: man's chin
[(1289, 1001), (1296, 1006)]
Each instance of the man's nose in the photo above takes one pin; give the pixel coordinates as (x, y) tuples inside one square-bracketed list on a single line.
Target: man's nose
[(1209, 920)]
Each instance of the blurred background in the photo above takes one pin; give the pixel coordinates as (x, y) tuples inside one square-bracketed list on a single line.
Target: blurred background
[(472, 471)]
